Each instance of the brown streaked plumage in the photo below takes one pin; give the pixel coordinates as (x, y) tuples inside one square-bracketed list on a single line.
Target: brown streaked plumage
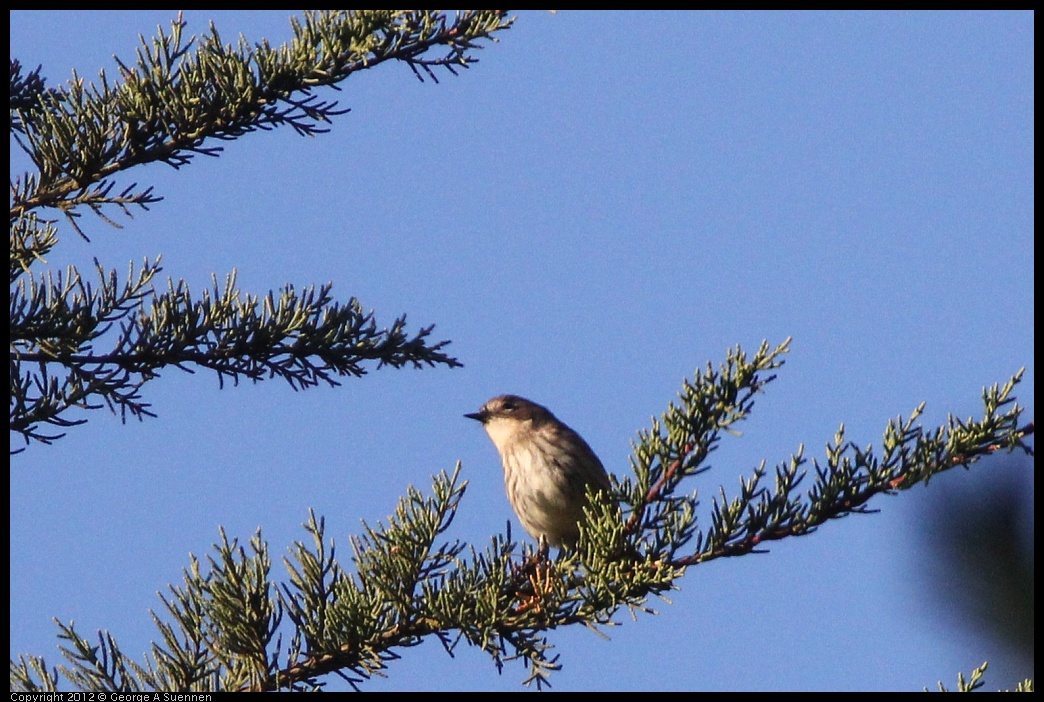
[(547, 467)]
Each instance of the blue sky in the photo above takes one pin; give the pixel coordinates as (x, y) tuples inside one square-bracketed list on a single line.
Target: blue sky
[(604, 203)]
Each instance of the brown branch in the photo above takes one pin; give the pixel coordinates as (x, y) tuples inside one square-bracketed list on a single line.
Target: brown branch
[(654, 491), (193, 140), (347, 655), (842, 507)]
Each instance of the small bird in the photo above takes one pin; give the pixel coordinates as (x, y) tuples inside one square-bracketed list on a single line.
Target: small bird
[(547, 467)]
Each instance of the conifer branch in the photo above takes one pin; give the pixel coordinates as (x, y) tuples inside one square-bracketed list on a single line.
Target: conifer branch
[(407, 581), (172, 102), (79, 346)]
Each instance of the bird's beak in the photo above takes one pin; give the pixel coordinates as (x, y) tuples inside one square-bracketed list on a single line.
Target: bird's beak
[(477, 416)]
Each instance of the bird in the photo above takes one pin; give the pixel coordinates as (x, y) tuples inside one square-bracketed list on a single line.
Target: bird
[(548, 467)]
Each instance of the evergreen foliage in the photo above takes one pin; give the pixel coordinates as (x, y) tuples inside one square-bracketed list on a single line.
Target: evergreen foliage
[(232, 624), (77, 344)]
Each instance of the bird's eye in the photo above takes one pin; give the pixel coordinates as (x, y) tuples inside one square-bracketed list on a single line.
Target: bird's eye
[(510, 406)]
